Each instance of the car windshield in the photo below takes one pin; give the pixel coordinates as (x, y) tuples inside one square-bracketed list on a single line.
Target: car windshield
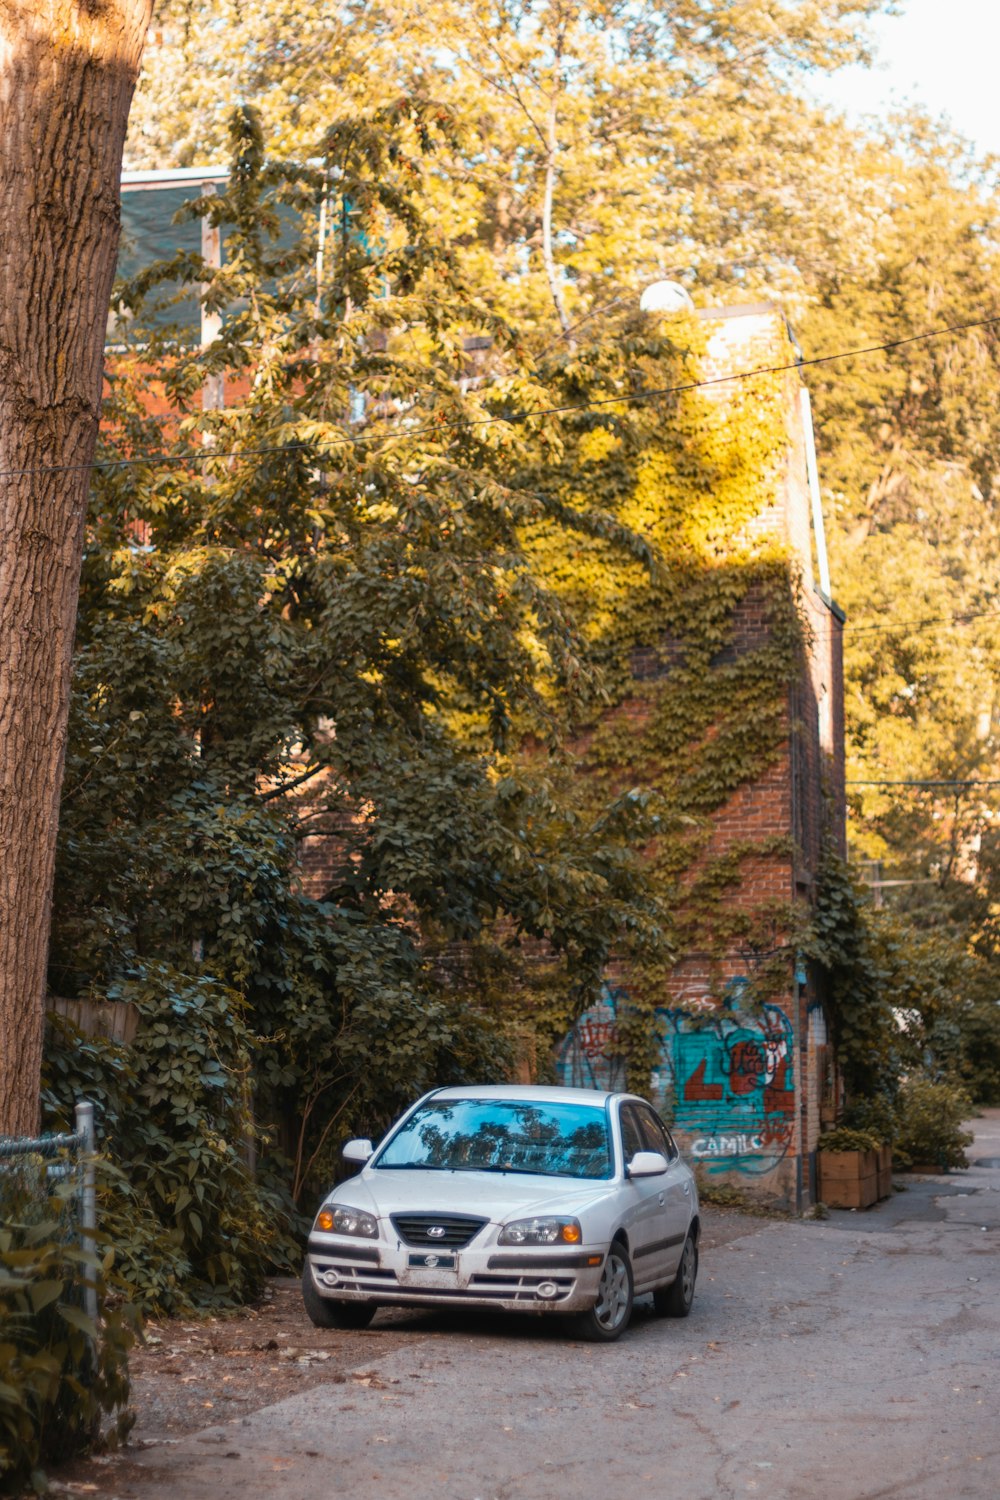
[(503, 1135)]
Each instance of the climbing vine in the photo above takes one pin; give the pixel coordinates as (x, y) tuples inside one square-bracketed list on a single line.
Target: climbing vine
[(697, 656)]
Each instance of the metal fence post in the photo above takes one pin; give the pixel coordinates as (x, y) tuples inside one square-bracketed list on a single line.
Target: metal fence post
[(88, 1202)]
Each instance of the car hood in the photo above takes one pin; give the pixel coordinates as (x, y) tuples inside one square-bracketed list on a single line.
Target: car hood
[(494, 1195)]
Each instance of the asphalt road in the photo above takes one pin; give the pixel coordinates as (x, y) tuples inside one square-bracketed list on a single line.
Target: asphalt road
[(852, 1359)]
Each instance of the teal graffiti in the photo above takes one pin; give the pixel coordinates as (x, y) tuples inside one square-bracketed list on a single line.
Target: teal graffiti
[(726, 1081)]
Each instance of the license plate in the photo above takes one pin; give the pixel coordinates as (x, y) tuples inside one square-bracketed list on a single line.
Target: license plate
[(435, 1272)]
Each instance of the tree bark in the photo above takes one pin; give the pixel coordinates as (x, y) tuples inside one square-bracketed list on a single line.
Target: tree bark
[(68, 69)]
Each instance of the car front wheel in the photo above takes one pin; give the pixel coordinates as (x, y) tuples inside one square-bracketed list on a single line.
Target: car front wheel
[(609, 1316), (674, 1301), (325, 1313)]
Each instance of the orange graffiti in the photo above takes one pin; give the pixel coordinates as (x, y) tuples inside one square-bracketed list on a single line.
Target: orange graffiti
[(696, 1090)]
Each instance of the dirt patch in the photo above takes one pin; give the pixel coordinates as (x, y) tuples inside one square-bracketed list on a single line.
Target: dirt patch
[(190, 1375)]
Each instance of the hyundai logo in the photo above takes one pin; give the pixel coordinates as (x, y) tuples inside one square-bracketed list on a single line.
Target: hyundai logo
[(436, 1232)]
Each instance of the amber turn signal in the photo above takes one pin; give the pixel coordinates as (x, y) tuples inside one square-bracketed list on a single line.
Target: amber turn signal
[(324, 1219), (571, 1234)]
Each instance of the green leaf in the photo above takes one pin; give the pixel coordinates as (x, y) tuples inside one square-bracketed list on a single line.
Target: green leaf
[(41, 1293), (77, 1319)]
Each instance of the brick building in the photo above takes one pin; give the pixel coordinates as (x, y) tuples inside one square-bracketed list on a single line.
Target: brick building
[(745, 1085)]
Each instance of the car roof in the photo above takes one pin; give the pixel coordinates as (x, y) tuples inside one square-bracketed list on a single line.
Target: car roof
[(530, 1092)]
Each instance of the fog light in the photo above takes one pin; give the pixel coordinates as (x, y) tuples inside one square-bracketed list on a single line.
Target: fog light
[(547, 1289), (330, 1278)]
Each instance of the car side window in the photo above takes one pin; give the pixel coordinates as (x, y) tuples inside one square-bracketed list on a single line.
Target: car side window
[(655, 1136), (632, 1139)]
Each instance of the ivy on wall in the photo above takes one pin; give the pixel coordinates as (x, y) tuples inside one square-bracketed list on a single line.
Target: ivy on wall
[(696, 657)]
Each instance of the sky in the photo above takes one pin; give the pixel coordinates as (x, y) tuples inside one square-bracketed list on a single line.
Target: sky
[(942, 54)]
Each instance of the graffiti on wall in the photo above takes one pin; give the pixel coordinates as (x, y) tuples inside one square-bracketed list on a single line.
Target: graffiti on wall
[(726, 1080)]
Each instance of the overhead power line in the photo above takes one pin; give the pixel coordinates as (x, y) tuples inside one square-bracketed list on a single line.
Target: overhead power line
[(511, 418), (886, 627), (916, 624), (884, 782)]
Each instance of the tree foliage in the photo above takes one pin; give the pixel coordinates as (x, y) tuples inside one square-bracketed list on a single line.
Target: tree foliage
[(295, 630), (910, 444), (328, 633), (601, 145)]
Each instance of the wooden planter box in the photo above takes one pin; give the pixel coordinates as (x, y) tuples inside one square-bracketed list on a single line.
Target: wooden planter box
[(884, 1172), (849, 1179)]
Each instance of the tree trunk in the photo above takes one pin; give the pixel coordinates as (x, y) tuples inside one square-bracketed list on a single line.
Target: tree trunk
[(68, 70)]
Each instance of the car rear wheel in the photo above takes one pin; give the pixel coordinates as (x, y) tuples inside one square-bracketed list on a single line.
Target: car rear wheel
[(609, 1316), (324, 1312), (674, 1301)]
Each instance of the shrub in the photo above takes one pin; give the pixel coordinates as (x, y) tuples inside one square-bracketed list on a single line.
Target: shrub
[(980, 1064), (844, 1139), (195, 1228), (722, 1194), (930, 1123), (874, 1116), (54, 1393)]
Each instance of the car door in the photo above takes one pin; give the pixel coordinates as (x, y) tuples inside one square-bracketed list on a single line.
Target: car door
[(645, 1219), (676, 1198)]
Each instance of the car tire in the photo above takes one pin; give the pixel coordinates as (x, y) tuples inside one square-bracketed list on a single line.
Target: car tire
[(674, 1301), (609, 1317), (324, 1312)]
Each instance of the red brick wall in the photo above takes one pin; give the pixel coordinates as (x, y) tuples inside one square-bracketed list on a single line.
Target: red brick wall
[(744, 1087)]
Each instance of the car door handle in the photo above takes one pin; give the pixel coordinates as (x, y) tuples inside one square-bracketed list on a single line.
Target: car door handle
[(661, 1197)]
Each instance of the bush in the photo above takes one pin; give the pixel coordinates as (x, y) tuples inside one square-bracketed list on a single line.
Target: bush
[(195, 1228), (980, 1065), (930, 1124), (54, 1395), (875, 1116), (844, 1139)]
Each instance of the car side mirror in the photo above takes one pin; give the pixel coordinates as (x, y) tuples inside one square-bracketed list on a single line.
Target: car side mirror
[(359, 1151), (647, 1164)]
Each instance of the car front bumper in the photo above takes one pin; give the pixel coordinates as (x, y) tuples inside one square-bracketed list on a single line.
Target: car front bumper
[(536, 1278)]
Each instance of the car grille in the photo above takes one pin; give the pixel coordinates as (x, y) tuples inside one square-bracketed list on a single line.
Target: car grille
[(459, 1229)]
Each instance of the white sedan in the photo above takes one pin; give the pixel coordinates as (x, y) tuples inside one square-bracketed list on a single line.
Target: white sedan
[(531, 1199)]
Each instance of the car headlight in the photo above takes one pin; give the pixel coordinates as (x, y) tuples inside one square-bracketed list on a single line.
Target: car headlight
[(335, 1218), (541, 1232)]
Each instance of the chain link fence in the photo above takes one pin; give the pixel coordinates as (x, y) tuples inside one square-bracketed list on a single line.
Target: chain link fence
[(34, 1168)]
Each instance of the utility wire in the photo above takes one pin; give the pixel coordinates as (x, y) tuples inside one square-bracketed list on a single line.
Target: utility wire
[(886, 627), (922, 783), (511, 418), (957, 619), (924, 624)]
